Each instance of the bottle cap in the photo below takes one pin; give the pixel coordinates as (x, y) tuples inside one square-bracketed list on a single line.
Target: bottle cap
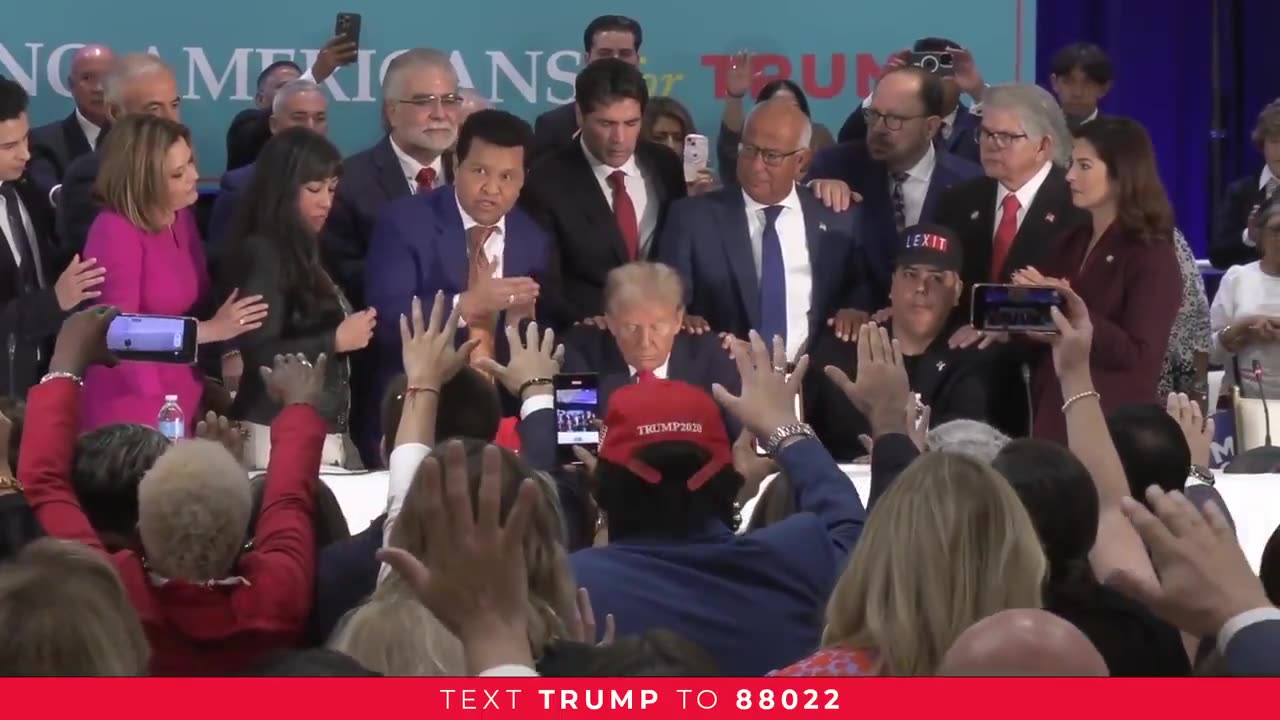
[(171, 398)]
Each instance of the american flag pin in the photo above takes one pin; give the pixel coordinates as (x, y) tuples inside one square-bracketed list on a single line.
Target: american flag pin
[(1049, 217), (974, 216), (822, 226), (1110, 258)]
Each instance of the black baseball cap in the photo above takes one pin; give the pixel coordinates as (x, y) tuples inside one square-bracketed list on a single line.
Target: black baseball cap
[(931, 245)]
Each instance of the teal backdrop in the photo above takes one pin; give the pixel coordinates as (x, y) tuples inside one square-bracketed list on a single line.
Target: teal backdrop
[(521, 54)]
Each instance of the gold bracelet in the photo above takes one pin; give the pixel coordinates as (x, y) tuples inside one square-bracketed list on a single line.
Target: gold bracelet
[(1071, 400), (416, 389)]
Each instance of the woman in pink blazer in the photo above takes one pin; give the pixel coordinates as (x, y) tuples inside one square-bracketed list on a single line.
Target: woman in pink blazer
[(146, 240)]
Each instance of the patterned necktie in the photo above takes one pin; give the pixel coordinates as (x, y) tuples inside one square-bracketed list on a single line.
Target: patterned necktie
[(897, 180), (624, 212), (1272, 185), (1006, 231), (773, 280), (478, 267), (27, 270), (946, 129), (426, 178)]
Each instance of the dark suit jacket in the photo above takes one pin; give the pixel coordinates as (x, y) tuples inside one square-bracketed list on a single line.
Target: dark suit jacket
[(28, 321), (418, 248), (553, 130), (76, 207), (53, 148), (1226, 246), (708, 242), (962, 142), (695, 359), (562, 194), (249, 131), (224, 207), (877, 232), (371, 179), (1254, 650)]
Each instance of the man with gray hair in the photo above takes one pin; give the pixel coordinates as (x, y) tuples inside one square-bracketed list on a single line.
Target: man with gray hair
[(976, 439), (297, 103), (1009, 219), (56, 145), (644, 311)]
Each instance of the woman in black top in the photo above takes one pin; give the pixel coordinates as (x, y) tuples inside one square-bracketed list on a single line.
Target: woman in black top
[(273, 251), (1060, 496)]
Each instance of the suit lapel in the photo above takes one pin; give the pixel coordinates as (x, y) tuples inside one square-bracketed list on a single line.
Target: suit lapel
[(587, 190), (938, 182), (77, 143), (450, 237), (982, 228), (737, 250), (815, 229), (390, 176)]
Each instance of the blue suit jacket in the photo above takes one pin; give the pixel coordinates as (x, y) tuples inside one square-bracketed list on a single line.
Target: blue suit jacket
[(877, 233), (224, 207), (419, 247), (707, 241), (1253, 651)]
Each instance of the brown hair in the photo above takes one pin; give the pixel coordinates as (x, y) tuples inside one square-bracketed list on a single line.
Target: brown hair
[(65, 612), (1142, 205), (132, 180), (1268, 127), (662, 106)]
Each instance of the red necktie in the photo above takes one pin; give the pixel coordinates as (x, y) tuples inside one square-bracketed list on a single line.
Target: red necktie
[(482, 329), (645, 376), (624, 212), (426, 178), (1006, 231)]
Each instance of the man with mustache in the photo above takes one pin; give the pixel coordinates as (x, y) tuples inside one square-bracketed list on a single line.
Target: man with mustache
[(56, 145)]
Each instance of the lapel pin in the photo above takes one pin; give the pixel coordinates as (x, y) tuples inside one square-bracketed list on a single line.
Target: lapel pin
[(822, 227), (974, 216), (1049, 217), (942, 364), (1110, 258)]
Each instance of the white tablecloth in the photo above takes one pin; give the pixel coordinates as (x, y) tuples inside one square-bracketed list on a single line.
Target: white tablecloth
[(1254, 502)]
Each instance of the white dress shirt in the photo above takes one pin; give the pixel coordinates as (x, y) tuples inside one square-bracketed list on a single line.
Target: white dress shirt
[(1263, 178), (13, 241), (1026, 195), (410, 167), (916, 186), (659, 372), (1245, 291), (795, 260), (1242, 621), (639, 187), (496, 243), (91, 131)]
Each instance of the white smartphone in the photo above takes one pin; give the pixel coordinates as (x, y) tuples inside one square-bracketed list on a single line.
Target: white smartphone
[(696, 155)]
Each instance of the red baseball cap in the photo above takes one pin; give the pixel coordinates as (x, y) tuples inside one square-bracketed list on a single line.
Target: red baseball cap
[(664, 411)]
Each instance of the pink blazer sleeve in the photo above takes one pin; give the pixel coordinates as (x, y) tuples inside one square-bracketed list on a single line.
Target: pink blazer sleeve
[(119, 249)]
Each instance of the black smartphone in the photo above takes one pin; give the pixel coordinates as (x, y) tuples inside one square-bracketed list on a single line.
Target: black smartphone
[(348, 26), (942, 64), (153, 338), (577, 403), (1015, 308)]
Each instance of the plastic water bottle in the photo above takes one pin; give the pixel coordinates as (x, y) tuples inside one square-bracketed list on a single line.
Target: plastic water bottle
[(171, 423)]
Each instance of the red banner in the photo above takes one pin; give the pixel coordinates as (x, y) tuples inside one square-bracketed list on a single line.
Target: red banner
[(441, 699)]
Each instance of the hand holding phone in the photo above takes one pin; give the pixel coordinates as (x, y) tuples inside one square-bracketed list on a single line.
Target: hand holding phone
[(577, 405), (153, 338), (696, 156), (1015, 308)]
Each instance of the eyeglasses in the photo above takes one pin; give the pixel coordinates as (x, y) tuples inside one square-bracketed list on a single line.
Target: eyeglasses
[(893, 122), (772, 158), (1000, 140), (452, 100)]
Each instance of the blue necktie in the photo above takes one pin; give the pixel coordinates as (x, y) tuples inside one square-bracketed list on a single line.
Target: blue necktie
[(773, 279)]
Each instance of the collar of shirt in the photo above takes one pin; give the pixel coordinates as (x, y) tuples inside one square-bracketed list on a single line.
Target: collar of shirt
[(468, 222), (949, 120), (1027, 193), (754, 209), (410, 167), (602, 170), (659, 372), (90, 130), (1265, 177), (923, 169)]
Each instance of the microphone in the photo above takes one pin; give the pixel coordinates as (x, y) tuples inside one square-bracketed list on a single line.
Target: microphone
[(1026, 385), (1266, 413)]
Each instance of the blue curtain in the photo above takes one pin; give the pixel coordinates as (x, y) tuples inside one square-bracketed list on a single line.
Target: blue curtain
[(1251, 70)]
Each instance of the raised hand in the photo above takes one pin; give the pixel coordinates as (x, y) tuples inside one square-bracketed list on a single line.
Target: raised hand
[(82, 341), (1195, 427), (237, 316), (1074, 339), (427, 349), (582, 624), (835, 194), (78, 283), (845, 323), (487, 296), (738, 82), (768, 399), (219, 429), (337, 52), (532, 358), (882, 391), (294, 380)]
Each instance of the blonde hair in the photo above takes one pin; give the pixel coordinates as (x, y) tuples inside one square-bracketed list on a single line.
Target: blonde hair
[(647, 280), (64, 612), (947, 545), (551, 588), (194, 506), (399, 637), (133, 180)]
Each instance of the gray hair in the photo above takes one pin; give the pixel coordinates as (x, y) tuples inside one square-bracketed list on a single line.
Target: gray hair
[(415, 59), (806, 130), (126, 69), (975, 439), (291, 88), (647, 280), (1040, 114)]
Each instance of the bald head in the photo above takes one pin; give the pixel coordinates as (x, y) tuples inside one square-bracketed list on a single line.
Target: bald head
[(142, 83), (775, 150), (89, 68), (1023, 643), (472, 100)]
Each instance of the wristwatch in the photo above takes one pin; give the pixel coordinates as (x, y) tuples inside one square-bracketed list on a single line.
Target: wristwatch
[(785, 432), (1202, 473)]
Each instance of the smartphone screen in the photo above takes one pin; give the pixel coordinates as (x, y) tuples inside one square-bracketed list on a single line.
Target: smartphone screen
[(153, 338), (1015, 308), (348, 25), (696, 159), (577, 403)]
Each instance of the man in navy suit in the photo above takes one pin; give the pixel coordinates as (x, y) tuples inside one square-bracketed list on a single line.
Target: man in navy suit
[(898, 171), (56, 145), (467, 241), (763, 257), (644, 313), (298, 103)]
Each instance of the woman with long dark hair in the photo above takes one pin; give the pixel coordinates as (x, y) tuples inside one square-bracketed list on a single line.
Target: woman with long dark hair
[(273, 245)]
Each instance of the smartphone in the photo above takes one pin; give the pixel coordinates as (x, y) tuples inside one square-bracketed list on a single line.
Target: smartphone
[(153, 338), (1015, 308), (941, 64), (696, 155), (577, 404), (348, 26)]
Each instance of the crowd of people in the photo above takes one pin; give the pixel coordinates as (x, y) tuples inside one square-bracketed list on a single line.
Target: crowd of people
[(803, 302)]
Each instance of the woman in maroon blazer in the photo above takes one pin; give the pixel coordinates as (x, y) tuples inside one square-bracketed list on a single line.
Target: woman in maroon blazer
[(1122, 264)]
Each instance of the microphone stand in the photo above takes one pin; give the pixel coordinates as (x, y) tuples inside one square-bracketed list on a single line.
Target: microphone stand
[(1262, 394)]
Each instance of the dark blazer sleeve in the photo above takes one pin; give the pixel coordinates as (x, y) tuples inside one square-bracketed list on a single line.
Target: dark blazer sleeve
[(340, 240), (1226, 246), (31, 317), (854, 127), (220, 216), (535, 199), (1254, 650), (676, 246), (892, 454), (276, 337), (1140, 336), (727, 155), (823, 489), (45, 167), (76, 207)]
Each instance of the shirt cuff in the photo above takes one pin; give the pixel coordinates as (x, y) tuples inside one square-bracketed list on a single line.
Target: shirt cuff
[(536, 403), (402, 467), (1244, 620), (510, 671), (56, 188), (1244, 238)]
